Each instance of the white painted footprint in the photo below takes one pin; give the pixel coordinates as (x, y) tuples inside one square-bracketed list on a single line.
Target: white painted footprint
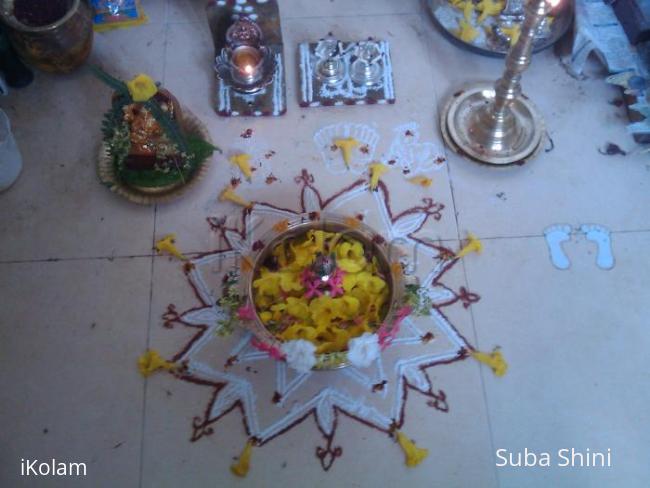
[(555, 235), (601, 236)]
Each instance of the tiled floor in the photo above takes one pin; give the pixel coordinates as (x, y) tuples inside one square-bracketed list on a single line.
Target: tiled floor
[(82, 293)]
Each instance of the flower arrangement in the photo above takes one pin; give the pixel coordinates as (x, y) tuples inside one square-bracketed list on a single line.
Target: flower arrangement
[(324, 293), (144, 135)]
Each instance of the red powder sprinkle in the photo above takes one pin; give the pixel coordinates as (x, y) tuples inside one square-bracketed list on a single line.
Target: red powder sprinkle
[(333, 147), (234, 182), (406, 171), (269, 154), (409, 133), (440, 160), (364, 149), (247, 134), (270, 179), (391, 162)]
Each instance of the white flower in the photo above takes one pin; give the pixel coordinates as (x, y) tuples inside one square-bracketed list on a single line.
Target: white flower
[(363, 350), (300, 355)]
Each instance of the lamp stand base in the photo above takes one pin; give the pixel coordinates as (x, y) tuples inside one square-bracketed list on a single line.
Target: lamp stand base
[(467, 128)]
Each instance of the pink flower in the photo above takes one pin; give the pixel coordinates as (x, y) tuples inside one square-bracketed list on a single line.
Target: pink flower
[(386, 336), (246, 312), (307, 277), (273, 351), (336, 283), (312, 290)]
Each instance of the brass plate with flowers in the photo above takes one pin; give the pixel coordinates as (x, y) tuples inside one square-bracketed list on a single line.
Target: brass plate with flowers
[(323, 293)]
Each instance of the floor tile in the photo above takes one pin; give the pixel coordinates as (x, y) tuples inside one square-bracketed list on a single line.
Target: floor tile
[(70, 388), (155, 10), (283, 146), (576, 343), (571, 183), (59, 207)]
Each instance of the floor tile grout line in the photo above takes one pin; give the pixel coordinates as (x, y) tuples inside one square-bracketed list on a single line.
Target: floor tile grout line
[(114, 257), (147, 344), (465, 278), (482, 376), (151, 275)]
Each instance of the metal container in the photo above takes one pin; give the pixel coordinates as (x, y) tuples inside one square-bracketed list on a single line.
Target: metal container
[(59, 47), (331, 223)]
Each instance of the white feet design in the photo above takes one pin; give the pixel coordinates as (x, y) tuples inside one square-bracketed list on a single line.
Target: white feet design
[(555, 236), (600, 235)]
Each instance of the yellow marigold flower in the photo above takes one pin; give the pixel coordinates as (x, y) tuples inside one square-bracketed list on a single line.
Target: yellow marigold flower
[(350, 280), (142, 88), (299, 331), (268, 283), (290, 281), (266, 316), (298, 308), (350, 250), (347, 307), (304, 254), (351, 265)]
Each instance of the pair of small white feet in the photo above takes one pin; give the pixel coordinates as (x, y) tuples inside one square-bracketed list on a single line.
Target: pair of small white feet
[(557, 234)]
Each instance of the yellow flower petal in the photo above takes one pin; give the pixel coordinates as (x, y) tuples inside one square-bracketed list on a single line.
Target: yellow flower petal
[(141, 88), (414, 454), (167, 244), (298, 308), (465, 32), (351, 265), (494, 360), (346, 146), (241, 467), (474, 244), (151, 361), (488, 8), (243, 162), (513, 33), (228, 194), (421, 180), (376, 170)]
